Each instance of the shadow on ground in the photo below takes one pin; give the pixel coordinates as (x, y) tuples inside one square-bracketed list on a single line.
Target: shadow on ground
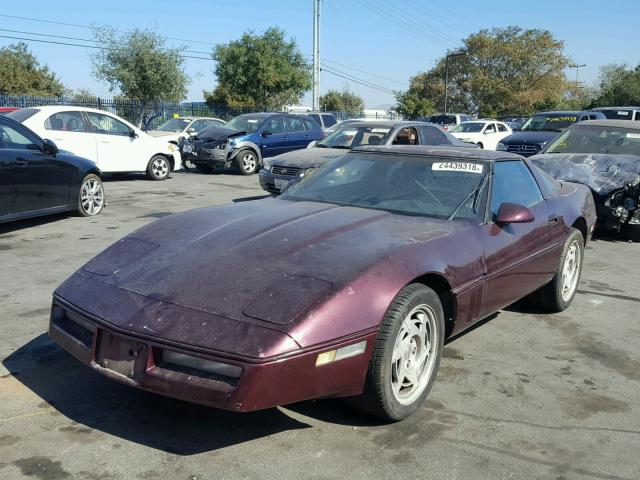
[(173, 426), (32, 222)]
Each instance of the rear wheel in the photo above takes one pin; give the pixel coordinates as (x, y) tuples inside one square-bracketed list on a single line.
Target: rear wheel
[(204, 168), (158, 168), (247, 162), (405, 360), (558, 294), (91, 199)]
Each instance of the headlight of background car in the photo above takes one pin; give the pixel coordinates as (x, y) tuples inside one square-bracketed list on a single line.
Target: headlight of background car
[(501, 147), (307, 172), (541, 145), (172, 147), (266, 164)]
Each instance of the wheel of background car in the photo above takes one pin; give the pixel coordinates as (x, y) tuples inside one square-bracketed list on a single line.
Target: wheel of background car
[(558, 294), (204, 168), (91, 198), (480, 145), (247, 162), (407, 354), (631, 231), (158, 167)]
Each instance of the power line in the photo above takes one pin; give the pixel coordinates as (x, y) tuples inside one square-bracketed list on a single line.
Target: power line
[(81, 39), (90, 28), (417, 6), (95, 47), (357, 80), (362, 71)]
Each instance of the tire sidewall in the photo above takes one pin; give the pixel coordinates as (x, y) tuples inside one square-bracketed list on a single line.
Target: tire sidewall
[(239, 162), (423, 295), (80, 209), (574, 235), (150, 168)]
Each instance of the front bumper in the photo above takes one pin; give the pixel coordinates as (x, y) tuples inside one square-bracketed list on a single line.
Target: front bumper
[(206, 156), (136, 360), (272, 182)]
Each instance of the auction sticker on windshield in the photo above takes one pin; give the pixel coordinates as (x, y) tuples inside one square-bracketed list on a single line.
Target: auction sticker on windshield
[(633, 135), (457, 167)]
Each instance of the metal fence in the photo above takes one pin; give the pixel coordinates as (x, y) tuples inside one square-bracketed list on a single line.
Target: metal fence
[(151, 115)]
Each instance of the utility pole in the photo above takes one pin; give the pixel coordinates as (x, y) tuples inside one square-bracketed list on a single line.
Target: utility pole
[(446, 76), (316, 55), (577, 67)]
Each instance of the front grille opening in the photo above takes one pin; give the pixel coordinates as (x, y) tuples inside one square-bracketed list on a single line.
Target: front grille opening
[(197, 366), (60, 318), (291, 171)]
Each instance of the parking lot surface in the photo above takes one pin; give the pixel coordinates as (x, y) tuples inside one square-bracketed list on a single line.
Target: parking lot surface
[(526, 395)]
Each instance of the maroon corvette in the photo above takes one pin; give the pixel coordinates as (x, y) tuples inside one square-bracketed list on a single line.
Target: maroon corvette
[(346, 285)]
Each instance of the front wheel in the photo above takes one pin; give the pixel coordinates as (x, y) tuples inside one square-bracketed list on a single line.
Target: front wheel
[(558, 294), (91, 199), (407, 354), (247, 162), (158, 168)]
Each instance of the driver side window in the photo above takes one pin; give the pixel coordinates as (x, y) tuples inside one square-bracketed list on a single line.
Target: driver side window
[(513, 183), (274, 125), (107, 125), (10, 138)]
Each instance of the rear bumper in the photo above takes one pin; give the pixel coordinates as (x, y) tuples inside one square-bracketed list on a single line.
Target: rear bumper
[(137, 361)]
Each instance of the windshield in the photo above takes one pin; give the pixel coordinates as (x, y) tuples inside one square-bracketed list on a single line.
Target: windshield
[(22, 114), (467, 127), (349, 137), (443, 119), (245, 123), (176, 125), (595, 139), (618, 114), (403, 184), (553, 122)]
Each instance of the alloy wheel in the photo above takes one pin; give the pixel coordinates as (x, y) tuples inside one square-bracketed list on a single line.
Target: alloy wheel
[(92, 196)]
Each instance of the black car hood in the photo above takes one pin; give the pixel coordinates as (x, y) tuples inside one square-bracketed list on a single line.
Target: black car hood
[(603, 173), (308, 157), (216, 133), (529, 138)]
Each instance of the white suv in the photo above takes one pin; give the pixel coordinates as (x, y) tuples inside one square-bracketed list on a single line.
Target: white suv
[(111, 142)]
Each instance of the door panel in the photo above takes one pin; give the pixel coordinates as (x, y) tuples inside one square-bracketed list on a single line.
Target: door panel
[(276, 143), (298, 135), (118, 150), (69, 131), (7, 179)]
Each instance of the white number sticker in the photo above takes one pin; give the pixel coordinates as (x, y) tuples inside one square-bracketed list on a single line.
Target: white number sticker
[(622, 112), (457, 167), (633, 135)]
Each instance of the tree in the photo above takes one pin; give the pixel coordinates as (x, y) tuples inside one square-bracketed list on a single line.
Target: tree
[(344, 101), (259, 72), (412, 105), (139, 66), (497, 72), (22, 74), (619, 85)]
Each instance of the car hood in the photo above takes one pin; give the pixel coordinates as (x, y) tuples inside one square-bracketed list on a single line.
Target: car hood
[(162, 133), (258, 264), (529, 138), (216, 133), (308, 157), (603, 173)]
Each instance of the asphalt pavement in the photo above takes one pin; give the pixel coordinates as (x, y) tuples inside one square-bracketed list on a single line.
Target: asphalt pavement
[(526, 395)]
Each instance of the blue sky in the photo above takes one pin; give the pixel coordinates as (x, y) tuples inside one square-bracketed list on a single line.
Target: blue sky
[(393, 39)]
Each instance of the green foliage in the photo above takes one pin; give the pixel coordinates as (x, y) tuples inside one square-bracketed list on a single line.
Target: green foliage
[(344, 101), (412, 105), (619, 85), (139, 66), (259, 72), (498, 72), (22, 74)]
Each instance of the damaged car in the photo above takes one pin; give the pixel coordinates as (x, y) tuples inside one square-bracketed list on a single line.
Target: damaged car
[(248, 139), (346, 285), (605, 156)]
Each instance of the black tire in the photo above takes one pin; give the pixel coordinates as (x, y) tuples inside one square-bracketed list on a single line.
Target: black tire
[(631, 231), (550, 297), (204, 168), (91, 197), (247, 161), (158, 168), (378, 397)]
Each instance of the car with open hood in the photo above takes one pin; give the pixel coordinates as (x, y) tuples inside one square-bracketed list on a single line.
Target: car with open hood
[(605, 156), (346, 285), (248, 139), (280, 170), (542, 128)]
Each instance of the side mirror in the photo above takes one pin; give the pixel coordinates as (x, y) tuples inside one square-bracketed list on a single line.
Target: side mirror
[(512, 213), (49, 147), (191, 131), (133, 134), (265, 133)]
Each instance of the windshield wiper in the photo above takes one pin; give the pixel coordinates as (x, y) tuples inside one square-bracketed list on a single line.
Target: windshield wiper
[(321, 145), (345, 147), (474, 193)]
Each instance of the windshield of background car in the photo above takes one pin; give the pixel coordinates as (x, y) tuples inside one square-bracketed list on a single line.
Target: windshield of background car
[(467, 127), (22, 114), (618, 114), (549, 122), (245, 123), (403, 184), (596, 139), (443, 119), (349, 137), (175, 125)]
